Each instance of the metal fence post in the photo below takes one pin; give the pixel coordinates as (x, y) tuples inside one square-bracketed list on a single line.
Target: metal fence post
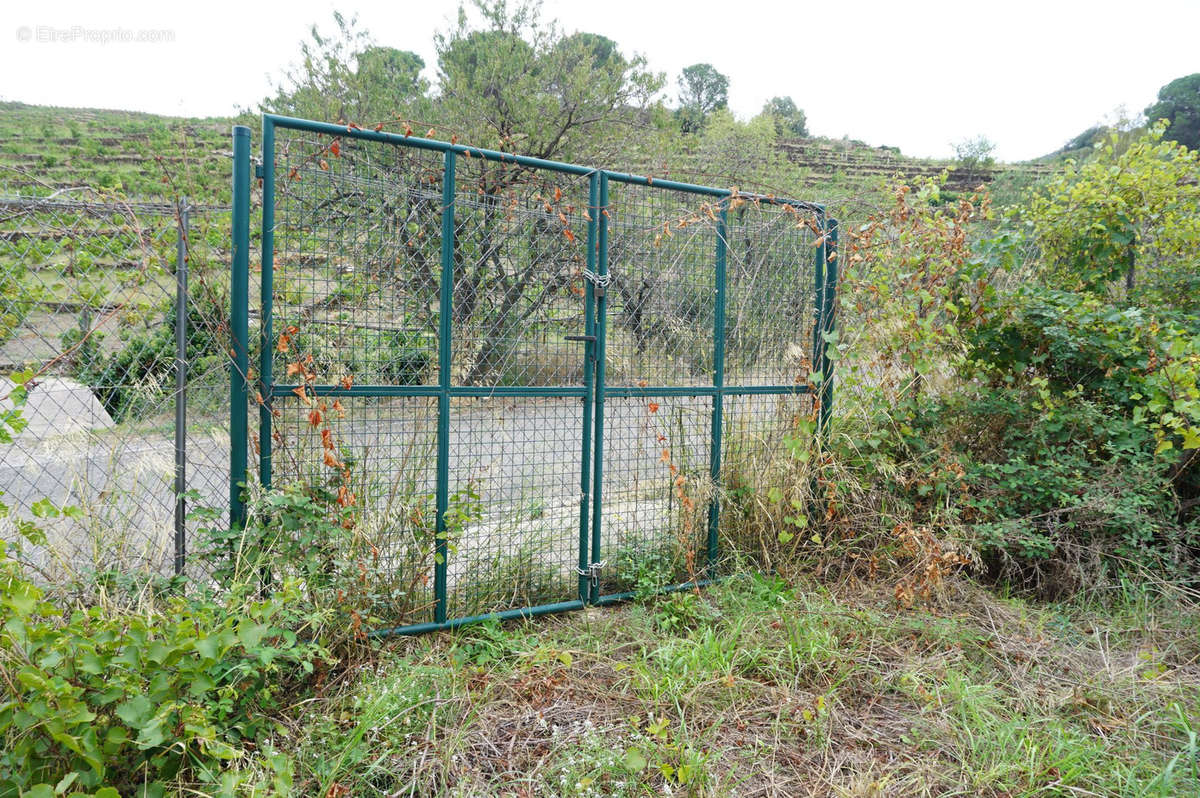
[(828, 325), (266, 305), (445, 360), (589, 367), (598, 437), (818, 339), (181, 378), (718, 406), (239, 324)]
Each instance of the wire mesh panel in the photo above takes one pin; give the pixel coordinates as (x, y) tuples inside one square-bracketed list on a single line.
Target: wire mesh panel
[(518, 261), (356, 259), (769, 293), (764, 474), (656, 490), (383, 451), (91, 291), (514, 503), (662, 292)]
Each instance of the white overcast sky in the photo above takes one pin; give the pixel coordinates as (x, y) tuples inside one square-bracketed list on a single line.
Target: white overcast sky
[(918, 75)]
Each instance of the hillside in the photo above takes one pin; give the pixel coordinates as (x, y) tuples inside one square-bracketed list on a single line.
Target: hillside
[(45, 149)]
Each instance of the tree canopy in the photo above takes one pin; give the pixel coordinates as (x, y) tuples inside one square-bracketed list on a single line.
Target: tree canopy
[(788, 119), (521, 85), (1179, 104), (346, 77), (702, 90)]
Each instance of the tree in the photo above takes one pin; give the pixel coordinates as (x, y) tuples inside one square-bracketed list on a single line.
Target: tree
[(517, 84), (702, 90), (975, 154), (521, 85), (788, 119), (1179, 104), (395, 73), (1131, 213), (346, 78)]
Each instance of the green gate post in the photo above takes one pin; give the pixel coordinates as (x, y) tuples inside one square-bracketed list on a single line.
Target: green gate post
[(589, 366), (239, 325), (445, 359), (598, 438), (267, 298), (718, 406), (818, 348), (828, 325)]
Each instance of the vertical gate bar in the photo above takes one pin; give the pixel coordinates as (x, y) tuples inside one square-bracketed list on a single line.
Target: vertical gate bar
[(267, 302), (718, 406), (828, 325), (589, 365), (445, 309), (818, 351), (181, 377), (239, 326), (598, 437)]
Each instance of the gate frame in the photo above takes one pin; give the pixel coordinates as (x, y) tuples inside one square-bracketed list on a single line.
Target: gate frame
[(592, 392)]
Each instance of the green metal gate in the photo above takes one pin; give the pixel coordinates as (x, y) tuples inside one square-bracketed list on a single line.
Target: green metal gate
[(529, 375)]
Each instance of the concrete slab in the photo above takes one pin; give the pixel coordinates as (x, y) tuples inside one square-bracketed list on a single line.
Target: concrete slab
[(57, 406)]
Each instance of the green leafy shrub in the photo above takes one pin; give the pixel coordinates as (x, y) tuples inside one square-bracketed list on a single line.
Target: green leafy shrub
[(1016, 396), (404, 357), (1132, 211), (143, 698), (1076, 433), (143, 370), (15, 300)]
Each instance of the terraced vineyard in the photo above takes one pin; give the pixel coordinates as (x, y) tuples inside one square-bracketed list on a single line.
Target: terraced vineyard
[(44, 150), (840, 161)]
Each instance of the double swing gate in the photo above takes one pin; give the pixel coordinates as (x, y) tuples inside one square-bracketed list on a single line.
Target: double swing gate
[(519, 386)]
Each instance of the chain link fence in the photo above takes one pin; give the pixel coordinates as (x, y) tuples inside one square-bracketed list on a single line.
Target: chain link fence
[(116, 312)]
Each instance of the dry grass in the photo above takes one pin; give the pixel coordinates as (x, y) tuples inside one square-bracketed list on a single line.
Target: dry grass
[(754, 688)]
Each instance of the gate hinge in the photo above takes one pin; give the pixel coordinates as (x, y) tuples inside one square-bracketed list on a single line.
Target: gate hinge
[(258, 171), (592, 572)]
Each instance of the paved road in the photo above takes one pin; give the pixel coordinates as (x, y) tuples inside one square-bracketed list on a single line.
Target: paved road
[(514, 474)]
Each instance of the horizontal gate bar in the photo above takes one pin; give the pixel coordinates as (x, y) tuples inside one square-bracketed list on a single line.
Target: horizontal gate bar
[(703, 390), (416, 142), (503, 615), (531, 612), (465, 391)]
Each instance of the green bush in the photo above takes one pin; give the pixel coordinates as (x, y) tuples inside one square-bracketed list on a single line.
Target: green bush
[(14, 298), (142, 372), (141, 699), (1073, 434), (404, 357)]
